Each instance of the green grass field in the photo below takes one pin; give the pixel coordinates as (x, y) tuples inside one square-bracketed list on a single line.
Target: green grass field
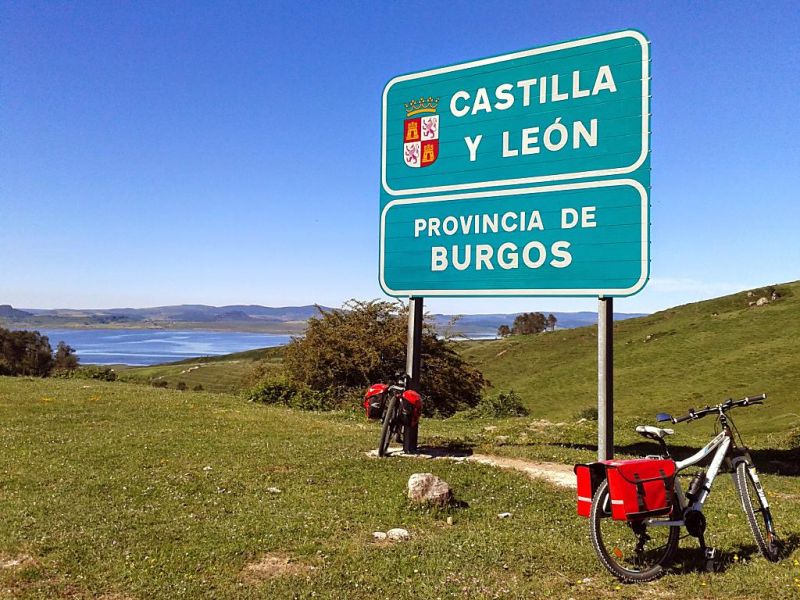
[(124, 491), (121, 491)]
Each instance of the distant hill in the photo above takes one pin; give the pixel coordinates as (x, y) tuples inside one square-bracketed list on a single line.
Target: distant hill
[(683, 357), (8, 312), (287, 319), (246, 317), (188, 313), (486, 325)]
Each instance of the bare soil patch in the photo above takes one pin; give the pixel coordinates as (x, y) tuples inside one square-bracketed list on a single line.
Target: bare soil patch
[(15, 562), (270, 566)]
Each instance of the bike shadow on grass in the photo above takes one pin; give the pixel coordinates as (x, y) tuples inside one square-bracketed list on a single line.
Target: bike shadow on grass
[(689, 559), (770, 460)]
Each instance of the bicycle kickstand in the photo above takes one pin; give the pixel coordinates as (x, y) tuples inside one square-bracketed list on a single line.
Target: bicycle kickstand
[(711, 558)]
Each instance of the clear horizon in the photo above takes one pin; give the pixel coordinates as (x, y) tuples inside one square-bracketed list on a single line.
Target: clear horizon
[(167, 154)]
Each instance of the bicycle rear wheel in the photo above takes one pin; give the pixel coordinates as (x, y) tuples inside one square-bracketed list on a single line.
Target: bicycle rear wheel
[(387, 428), (631, 550), (756, 509)]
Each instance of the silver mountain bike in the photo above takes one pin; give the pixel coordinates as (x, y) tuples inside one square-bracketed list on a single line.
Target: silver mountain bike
[(639, 550)]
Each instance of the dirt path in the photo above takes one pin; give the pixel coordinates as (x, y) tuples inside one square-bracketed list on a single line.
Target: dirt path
[(554, 473)]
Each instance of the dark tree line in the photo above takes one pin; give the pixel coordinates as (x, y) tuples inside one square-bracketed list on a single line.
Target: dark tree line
[(29, 353), (528, 323)]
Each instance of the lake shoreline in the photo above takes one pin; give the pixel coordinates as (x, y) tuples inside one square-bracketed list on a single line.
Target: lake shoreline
[(148, 347)]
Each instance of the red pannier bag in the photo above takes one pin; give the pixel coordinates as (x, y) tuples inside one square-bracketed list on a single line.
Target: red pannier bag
[(375, 400), (640, 488), (590, 476)]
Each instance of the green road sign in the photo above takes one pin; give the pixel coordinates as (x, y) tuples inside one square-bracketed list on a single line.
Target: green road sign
[(575, 239), (537, 134)]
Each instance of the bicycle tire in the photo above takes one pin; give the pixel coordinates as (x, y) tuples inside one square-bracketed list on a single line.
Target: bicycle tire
[(387, 426), (612, 561), (747, 486)]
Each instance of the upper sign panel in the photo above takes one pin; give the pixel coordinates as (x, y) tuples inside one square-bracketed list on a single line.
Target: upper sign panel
[(569, 111)]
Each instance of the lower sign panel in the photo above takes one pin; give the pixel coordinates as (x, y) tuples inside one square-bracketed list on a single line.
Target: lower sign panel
[(574, 239)]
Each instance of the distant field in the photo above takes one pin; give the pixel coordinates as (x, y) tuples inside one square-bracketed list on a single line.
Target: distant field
[(214, 373), (117, 491)]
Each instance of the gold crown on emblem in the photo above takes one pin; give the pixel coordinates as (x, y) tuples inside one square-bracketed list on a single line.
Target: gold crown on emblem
[(423, 105)]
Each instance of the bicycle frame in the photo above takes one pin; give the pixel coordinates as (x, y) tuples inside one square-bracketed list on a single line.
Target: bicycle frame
[(721, 443)]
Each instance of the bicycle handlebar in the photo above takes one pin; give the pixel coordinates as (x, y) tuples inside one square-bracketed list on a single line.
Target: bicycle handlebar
[(694, 414)]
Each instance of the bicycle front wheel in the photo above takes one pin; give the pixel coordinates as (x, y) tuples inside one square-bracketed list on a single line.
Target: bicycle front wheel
[(756, 509), (389, 418), (633, 551)]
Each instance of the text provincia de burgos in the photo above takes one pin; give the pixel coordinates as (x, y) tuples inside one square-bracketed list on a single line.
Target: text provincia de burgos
[(506, 255)]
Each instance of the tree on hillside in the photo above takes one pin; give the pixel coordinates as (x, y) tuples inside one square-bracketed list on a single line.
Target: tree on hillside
[(365, 343), (65, 358), (551, 322), (529, 323), (25, 353), (503, 331)]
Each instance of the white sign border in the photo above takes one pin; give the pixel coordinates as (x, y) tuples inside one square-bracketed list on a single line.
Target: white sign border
[(645, 250), (631, 33)]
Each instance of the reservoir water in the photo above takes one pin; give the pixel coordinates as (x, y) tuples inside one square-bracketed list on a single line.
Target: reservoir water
[(153, 346)]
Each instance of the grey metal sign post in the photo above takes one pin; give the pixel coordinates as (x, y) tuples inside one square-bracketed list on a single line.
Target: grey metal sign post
[(414, 357), (605, 379)]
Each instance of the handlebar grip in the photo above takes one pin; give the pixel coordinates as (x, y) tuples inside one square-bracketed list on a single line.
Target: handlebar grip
[(758, 398), (688, 417)]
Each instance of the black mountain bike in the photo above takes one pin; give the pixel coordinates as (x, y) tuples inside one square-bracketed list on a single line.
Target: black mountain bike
[(398, 417)]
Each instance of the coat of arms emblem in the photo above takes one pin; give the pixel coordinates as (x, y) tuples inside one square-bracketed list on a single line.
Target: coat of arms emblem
[(421, 133)]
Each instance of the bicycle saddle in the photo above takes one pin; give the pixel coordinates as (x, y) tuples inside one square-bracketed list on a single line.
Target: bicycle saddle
[(649, 431)]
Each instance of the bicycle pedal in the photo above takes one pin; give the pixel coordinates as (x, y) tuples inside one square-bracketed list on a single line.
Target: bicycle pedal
[(713, 562)]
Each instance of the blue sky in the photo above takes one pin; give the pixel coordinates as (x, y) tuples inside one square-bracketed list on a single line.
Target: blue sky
[(220, 153)]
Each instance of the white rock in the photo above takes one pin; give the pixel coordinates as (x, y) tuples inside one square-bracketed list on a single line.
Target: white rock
[(504, 515), (427, 488), (274, 490), (397, 534), (762, 302), (379, 535), (449, 520)]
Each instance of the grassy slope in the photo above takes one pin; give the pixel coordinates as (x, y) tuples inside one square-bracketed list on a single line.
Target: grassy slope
[(215, 373), (694, 357), (142, 493)]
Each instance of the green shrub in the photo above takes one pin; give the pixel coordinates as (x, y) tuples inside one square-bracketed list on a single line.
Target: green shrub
[(281, 391), (198, 388), (497, 407), (88, 372), (365, 343), (159, 383), (181, 386), (589, 413)]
